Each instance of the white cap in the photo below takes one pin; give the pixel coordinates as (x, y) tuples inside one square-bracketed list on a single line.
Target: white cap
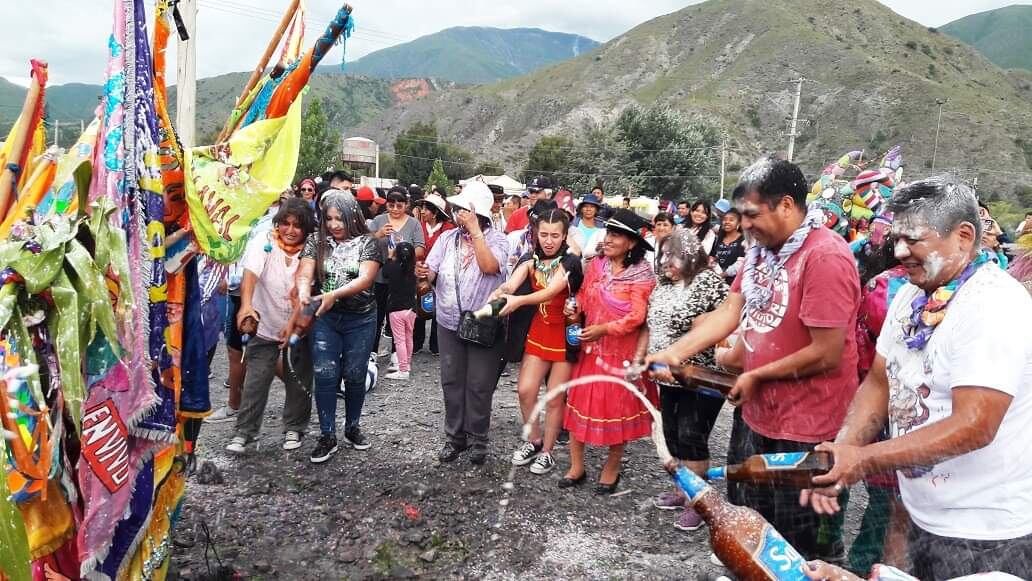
[(476, 197)]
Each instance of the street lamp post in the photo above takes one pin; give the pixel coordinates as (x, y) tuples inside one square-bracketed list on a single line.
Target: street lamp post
[(938, 123)]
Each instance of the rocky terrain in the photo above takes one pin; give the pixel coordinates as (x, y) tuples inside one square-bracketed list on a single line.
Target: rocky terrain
[(394, 512)]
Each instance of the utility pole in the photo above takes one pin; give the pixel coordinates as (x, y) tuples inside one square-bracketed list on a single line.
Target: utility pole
[(82, 126), (723, 160), (938, 123), (57, 131), (186, 76), (795, 117)]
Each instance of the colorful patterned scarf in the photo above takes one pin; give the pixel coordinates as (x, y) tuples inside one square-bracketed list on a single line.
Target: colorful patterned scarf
[(928, 310), (759, 296)]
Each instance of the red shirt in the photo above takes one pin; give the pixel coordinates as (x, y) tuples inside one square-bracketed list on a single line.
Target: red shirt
[(819, 288), (518, 221), (429, 239)]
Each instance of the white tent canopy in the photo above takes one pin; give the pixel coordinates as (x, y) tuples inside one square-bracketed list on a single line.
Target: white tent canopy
[(510, 185)]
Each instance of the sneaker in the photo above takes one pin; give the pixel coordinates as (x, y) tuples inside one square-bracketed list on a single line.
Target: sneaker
[(713, 558), (326, 447), (450, 451), (292, 440), (669, 501), (241, 444), (221, 415), (394, 363), (397, 376), (478, 456), (689, 521), (563, 437), (356, 439), (543, 464), (525, 454)]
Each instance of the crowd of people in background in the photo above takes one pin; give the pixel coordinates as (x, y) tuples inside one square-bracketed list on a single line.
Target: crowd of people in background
[(837, 347)]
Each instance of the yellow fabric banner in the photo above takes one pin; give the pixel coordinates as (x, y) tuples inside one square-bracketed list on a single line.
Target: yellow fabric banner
[(230, 186)]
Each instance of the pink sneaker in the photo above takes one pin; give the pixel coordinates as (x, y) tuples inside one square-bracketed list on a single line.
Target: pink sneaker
[(689, 520), (669, 501)]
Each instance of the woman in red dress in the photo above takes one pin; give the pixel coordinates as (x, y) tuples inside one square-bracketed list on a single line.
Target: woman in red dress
[(615, 300), (554, 273)]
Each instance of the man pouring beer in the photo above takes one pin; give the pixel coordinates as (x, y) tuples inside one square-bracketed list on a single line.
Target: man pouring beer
[(953, 376)]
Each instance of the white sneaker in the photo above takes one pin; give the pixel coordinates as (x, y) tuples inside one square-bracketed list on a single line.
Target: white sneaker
[(292, 440), (394, 363), (223, 414), (240, 445), (713, 558), (397, 376), (525, 454)]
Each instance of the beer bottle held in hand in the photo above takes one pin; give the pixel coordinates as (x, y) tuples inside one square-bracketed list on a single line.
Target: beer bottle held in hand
[(491, 309), (574, 325), (742, 539), (701, 379), (425, 299), (304, 320), (787, 468)]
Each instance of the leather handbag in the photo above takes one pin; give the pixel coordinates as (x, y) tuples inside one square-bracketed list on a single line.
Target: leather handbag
[(482, 332)]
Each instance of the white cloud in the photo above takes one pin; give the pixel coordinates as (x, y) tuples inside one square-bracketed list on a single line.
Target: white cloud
[(231, 35)]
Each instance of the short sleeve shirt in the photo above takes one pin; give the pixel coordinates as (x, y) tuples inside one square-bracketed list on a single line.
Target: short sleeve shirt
[(985, 340), (474, 285), (275, 270), (341, 263), (674, 307), (818, 288), (411, 232)]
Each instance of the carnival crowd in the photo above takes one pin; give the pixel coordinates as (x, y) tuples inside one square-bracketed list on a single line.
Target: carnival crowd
[(905, 351)]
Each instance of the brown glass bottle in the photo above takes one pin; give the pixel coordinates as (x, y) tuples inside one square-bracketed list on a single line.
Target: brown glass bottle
[(740, 537), (711, 381), (788, 469)]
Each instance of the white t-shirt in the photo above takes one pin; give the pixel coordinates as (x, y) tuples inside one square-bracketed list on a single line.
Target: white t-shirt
[(985, 340), (272, 291)]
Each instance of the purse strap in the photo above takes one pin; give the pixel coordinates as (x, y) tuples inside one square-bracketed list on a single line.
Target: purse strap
[(455, 279)]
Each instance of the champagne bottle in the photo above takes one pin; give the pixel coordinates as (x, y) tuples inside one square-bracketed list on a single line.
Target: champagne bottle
[(491, 309), (304, 321), (787, 468), (574, 326), (740, 537)]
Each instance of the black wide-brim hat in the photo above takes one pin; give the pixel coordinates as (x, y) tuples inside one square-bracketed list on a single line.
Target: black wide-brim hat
[(627, 222)]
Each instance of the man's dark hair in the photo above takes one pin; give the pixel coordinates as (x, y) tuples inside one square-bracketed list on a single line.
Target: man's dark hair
[(941, 203), (514, 199), (627, 199), (773, 179), (684, 203), (664, 217), (299, 209), (340, 175)]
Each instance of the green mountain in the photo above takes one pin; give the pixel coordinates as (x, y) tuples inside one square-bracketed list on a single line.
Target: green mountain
[(872, 80), (1003, 35), (472, 55)]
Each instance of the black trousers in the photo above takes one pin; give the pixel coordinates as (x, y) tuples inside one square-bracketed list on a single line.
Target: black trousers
[(936, 557), (419, 335), (813, 535), (380, 291)]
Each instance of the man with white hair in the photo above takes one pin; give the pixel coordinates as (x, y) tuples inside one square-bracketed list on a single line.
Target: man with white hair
[(953, 377)]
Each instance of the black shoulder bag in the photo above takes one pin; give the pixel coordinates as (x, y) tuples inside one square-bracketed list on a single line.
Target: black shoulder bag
[(481, 332)]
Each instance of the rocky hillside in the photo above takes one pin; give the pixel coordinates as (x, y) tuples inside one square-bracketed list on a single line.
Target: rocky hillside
[(872, 80), (1003, 35), (472, 55)]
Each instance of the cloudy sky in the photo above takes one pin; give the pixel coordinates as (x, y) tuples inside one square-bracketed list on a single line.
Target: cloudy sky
[(231, 35)]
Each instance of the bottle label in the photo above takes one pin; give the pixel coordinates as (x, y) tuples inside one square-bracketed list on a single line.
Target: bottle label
[(718, 473), (573, 335), (427, 302), (690, 483), (779, 558), (784, 460)]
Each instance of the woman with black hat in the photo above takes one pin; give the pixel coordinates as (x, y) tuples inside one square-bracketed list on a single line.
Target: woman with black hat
[(614, 298)]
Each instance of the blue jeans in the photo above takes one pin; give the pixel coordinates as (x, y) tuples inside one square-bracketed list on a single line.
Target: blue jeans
[(341, 343)]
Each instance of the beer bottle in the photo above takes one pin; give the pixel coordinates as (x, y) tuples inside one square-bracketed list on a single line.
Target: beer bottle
[(574, 325), (425, 299), (491, 309), (248, 327), (740, 537), (711, 382), (787, 468)]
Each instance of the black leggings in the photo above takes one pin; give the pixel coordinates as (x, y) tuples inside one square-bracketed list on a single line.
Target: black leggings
[(688, 419)]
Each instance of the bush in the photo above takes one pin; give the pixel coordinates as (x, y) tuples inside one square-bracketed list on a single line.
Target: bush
[(911, 45)]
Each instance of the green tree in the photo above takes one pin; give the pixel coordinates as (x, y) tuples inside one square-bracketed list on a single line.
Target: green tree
[(317, 151), (415, 150), (458, 163), (550, 157), (439, 178), (602, 160)]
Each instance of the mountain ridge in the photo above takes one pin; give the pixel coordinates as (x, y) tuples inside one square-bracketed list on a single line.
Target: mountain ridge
[(1002, 35)]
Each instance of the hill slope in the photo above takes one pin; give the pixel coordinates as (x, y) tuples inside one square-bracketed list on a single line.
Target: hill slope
[(872, 80), (1002, 35), (472, 55)]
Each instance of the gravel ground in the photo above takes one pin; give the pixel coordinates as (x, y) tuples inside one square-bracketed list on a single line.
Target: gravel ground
[(394, 512)]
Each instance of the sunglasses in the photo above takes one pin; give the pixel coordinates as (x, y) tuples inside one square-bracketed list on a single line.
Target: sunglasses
[(307, 190)]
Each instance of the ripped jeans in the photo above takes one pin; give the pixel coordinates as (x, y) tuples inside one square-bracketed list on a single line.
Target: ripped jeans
[(341, 343)]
